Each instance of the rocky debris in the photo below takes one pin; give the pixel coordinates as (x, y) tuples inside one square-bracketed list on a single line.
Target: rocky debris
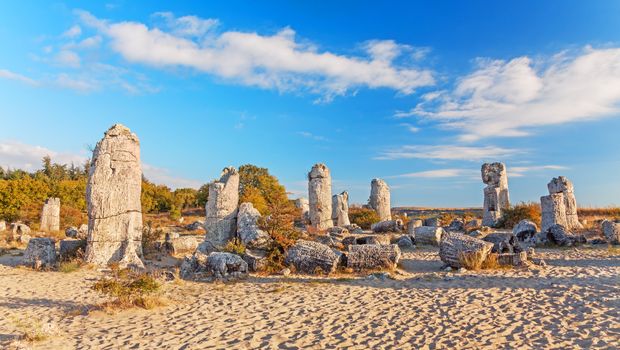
[(432, 222), (456, 225), (405, 242), (564, 186), (304, 205), (380, 199), (320, 197), (354, 229), (18, 230), (328, 241), (255, 258), (454, 244), (50, 215), (222, 207), (40, 253), (388, 226), (525, 230), (513, 259), (503, 242), (611, 231), (373, 256), (71, 249), (477, 233), (340, 209), (553, 211), (206, 248), (540, 239), (310, 257), (247, 228), (77, 233), (496, 196), (473, 224), (412, 224), (216, 265), (180, 245), (113, 198), (381, 239), (559, 235), (196, 225), (337, 231), (428, 235), (2, 225)]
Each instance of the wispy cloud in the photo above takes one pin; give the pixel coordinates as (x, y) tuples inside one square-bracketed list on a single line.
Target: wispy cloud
[(448, 152), (7, 74), (312, 136), (411, 128), (440, 173), (72, 32), (520, 171), (511, 98), (278, 61), (165, 176)]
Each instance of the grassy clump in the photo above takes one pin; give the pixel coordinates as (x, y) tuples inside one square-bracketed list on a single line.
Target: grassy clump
[(130, 289), (69, 266), (363, 217), (235, 246), (477, 261), (511, 216), (33, 330)]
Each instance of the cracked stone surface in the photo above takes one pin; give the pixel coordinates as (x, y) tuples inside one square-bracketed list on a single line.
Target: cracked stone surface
[(496, 196), (113, 198), (320, 197), (564, 186), (222, 207), (340, 209), (50, 215), (380, 199)]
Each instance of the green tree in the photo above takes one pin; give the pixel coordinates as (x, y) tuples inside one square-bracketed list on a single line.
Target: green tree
[(259, 187)]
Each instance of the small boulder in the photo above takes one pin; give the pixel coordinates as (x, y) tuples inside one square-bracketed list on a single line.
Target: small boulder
[(611, 231), (255, 258), (40, 253), (456, 225), (433, 222), (373, 256), (72, 232), (428, 235), (562, 237), (180, 245), (18, 229), (405, 242), (310, 257), (387, 226), (525, 230), (247, 227), (473, 224), (196, 225), (216, 265), (71, 249), (503, 242), (337, 231)]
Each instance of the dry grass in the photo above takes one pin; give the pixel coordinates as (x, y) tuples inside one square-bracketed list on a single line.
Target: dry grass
[(130, 289), (613, 250), (476, 261), (235, 246), (512, 216), (33, 330), (69, 266)]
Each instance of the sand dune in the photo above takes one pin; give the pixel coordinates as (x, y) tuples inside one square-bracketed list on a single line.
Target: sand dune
[(574, 303)]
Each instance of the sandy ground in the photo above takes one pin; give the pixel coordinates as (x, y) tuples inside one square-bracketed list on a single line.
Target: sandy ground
[(573, 303)]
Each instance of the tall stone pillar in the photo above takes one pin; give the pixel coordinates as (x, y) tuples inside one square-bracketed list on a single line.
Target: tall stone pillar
[(50, 215), (553, 211), (564, 186), (496, 197), (113, 198), (380, 199), (320, 197), (340, 209), (222, 207), (302, 203)]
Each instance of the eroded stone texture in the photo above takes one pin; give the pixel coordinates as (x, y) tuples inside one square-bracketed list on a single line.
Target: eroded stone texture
[(553, 211), (611, 231), (564, 186), (454, 244), (71, 249), (40, 253), (312, 257), (340, 209), (320, 197), (302, 203), (50, 215), (496, 197), (247, 227), (222, 207), (373, 256), (216, 265), (525, 230), (380, 199), (388, 226), (113, 198), (428, 235)]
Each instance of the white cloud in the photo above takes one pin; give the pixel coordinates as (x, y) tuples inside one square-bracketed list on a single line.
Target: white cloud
[(312, 136), (72, 32), (410, 127), (7, 74), (164, 176), (448, 152), (513, 98), (18, 155), (78, 84), (520, 171), (68, 58), (190, 26), (439, 173), (277, 61)]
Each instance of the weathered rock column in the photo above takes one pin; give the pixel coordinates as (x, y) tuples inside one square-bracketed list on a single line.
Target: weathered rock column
[(340, 209), (222, 207), (113, 197), (320, 195), (380, 199), (553, 211), (50, 215), (302, 203), (564, 186), (496, 197)]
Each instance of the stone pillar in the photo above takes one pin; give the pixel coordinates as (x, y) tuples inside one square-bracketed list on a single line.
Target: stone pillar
[(113, 198), (380, 199), (496, 197), (340, 209), (553, 211), (222, 207), (564, 186), (50, 215), (302, 203), (320, 195)]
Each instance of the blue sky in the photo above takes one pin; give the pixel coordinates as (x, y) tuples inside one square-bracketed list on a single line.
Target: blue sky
[(417, 93)]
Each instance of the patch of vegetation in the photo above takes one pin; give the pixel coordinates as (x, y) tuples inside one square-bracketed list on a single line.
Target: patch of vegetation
[(511, 216), (475, 261), (33, 330), (150, 235), (69, 266), (130, 289), (363, 217), (235, 246)]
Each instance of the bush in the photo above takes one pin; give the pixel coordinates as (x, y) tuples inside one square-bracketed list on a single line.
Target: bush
[(473, 261), (129, 289), (150, 235), (235, 246), (363, 217), (279, 226), (511, 216)]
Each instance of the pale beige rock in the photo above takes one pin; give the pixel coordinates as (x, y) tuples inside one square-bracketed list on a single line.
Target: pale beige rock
[(50, 215), (320, 197), (553, 211), (340, 209), (380, 199), (496, 196), (413, 224), (222, 208), (453, 244), (304, 206), (563, 185), (113, 198), (247, 227)]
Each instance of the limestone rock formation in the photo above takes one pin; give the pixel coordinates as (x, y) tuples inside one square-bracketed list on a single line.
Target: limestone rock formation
[(454, 244), (216, 265), (19, 230), (611, 231), (320, 197), (496, 197), (180, 245), (196, 225), (553, 211), (380, 199), (525, 230), (113, 198), (559, 235), (310, 257), (71, 249), (2, 225), (503, 242), (50, 215), (428, 235), (432, 221), (222, 206), (302, 203), (387, 226), (457, 225), (40, 253), (373, 256), (247, 227), (413, 224), (340, 209), (564, 186)]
